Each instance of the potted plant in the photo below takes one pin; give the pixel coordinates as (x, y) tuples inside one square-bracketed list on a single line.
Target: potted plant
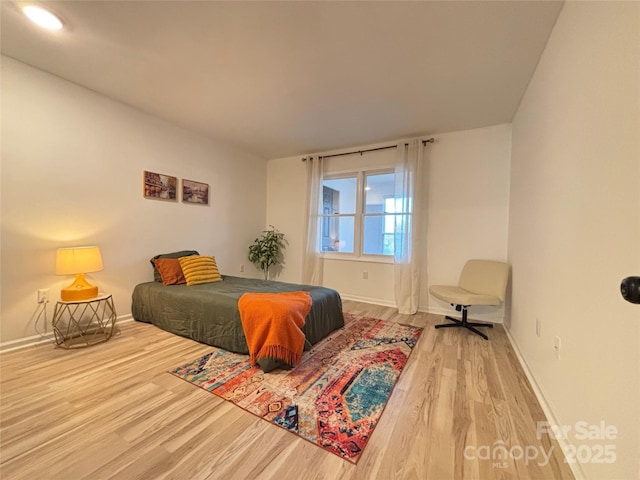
[(267, 250)]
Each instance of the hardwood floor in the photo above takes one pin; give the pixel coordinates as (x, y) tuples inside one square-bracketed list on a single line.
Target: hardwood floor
[(112, 411)]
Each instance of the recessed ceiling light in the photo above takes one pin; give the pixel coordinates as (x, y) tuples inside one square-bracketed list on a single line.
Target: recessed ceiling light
[(42, 17)]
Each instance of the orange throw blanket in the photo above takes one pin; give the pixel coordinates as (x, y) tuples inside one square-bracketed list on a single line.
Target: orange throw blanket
[(272, 323)]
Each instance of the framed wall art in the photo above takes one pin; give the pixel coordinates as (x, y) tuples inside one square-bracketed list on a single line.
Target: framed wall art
[(160, 187), (195, 192)]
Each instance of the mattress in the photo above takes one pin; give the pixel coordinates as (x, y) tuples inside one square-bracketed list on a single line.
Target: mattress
[(209, 313)]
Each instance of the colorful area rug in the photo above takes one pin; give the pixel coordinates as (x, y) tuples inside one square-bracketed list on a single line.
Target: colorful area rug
[(334, 398)]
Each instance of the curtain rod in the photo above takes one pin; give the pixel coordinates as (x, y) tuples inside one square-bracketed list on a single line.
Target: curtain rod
[(424, 142)]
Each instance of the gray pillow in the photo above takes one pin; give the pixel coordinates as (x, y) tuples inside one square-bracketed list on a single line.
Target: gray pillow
[(182, 253)]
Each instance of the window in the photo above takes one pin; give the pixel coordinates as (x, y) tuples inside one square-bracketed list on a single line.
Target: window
[(339, 206), (360, 213)]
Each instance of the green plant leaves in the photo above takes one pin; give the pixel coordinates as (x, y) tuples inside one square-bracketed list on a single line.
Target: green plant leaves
[(266, 250)]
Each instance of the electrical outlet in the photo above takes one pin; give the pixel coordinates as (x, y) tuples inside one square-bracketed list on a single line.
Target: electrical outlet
[(365, 275), (242, 268), (538, 327), (557, 343), (43, 295)]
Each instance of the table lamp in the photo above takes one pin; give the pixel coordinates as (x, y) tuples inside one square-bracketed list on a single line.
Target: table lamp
[(78, 261)]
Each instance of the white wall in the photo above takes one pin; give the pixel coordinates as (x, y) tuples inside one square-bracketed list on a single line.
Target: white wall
[(72, 164), (286, 210), (468, 181), (574, 228), (468, 208)]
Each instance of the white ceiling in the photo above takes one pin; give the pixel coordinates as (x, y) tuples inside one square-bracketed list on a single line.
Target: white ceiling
[(287, 78)]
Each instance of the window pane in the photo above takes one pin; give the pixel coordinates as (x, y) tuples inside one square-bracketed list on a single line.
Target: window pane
[(379, 188), (339, 195), (401, 223), (337, 234), (379, 234)]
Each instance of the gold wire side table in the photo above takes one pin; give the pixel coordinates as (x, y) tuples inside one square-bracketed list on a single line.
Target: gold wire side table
[(81, 323)]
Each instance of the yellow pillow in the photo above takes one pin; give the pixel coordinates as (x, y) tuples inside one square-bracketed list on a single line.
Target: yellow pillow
[(199, 269)]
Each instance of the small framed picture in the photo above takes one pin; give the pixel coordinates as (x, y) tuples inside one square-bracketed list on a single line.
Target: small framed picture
[(195, 192), (159, 186)]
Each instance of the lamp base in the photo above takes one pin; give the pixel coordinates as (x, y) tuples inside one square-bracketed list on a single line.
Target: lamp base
[(80, 289)]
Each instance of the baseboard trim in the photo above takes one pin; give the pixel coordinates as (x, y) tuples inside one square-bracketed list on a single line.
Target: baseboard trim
[(431, 310), (452, 312), (44, 338), (576, 468), (26, 342), (373, 301)]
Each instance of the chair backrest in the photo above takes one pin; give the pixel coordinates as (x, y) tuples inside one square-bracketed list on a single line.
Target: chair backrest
[(486, 277)]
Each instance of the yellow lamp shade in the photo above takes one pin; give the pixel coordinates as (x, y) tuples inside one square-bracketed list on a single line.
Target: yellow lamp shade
[(78, 261)]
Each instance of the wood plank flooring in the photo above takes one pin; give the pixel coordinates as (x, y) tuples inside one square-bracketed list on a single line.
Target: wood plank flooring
[(112, 411)]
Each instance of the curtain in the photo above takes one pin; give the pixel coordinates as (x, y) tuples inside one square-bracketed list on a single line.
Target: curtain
[(312, 260), (407, 245)]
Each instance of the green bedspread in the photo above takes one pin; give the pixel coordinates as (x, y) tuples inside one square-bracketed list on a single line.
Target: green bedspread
[(209, 313)]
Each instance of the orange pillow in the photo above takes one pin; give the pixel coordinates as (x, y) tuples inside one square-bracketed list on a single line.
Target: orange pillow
[(170, 271)]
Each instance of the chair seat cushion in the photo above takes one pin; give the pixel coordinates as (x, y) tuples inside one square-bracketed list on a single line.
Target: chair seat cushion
[(460, 296)]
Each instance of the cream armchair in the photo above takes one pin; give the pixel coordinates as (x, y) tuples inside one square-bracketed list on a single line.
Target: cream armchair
[(482, 282)]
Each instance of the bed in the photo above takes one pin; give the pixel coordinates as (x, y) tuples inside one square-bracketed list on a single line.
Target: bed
[(208, 313)]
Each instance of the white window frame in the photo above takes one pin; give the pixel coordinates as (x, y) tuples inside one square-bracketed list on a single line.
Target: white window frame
[(359, 216)]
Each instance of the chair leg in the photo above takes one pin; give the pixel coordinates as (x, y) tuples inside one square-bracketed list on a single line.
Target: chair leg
[(468, 325)]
